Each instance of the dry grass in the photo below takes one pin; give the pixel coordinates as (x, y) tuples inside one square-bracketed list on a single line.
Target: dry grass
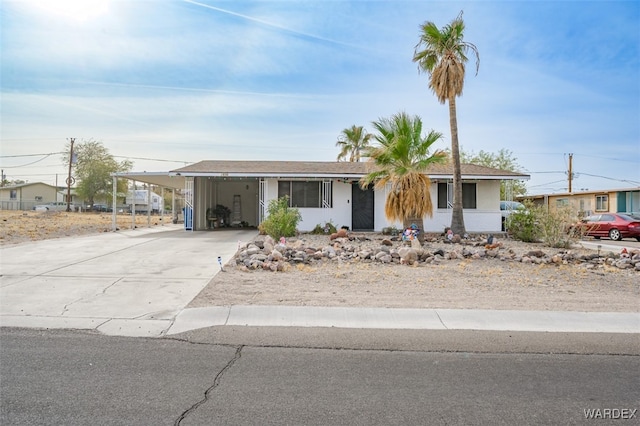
[(19, 226)]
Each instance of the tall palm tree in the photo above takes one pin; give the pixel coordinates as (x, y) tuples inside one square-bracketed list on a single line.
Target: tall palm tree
[(443, 55), (401, 158), (353, 142)]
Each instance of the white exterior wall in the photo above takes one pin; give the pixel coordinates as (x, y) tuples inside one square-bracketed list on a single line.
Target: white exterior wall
[(339, 214), (484, 218)]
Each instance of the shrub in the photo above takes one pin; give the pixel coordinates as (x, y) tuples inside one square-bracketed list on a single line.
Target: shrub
[(282, 220), (523, 224), (390, 230), (535, 223), (556, 230), (328, 228)]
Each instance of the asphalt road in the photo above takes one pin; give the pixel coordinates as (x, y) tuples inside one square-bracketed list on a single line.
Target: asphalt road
[(237, 376), (629, 243)]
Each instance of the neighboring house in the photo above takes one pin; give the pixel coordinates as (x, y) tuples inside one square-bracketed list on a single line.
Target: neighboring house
[(26, 195), (323, 192), (585, 203)]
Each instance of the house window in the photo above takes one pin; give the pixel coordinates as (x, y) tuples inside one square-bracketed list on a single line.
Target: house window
[(38, 198), (445, 195), (562, 202), (13, 194), (468, 195), (602, 203), (313, 194)]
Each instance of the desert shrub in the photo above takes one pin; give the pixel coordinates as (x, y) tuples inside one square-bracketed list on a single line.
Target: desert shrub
[(282, 220), (552, 228), (556, 229), (523, 224), (328, 228)]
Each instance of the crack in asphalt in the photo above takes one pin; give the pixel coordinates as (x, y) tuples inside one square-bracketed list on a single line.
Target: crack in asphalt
[(216, 382)]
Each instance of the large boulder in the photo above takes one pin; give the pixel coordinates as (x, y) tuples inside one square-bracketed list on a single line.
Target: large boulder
[(408, 256)]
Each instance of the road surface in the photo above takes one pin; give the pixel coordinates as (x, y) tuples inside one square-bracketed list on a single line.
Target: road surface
[(238, 376)]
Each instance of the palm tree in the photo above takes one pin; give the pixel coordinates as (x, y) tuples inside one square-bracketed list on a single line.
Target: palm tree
[(443, 57), (352, 142), (401, 158)]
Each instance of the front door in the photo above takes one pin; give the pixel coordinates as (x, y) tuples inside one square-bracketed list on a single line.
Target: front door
[(361, 208)]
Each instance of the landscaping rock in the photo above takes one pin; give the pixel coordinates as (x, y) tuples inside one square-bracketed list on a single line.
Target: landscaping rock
[(266, 254)]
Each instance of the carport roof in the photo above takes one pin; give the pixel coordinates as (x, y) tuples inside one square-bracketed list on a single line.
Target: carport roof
[(301, 169)]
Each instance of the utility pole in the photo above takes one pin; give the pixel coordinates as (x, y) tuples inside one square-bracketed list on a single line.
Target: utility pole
[(69, 178), (570, 172)]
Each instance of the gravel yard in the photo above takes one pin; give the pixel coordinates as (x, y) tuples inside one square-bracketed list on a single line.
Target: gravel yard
[(500, 282)]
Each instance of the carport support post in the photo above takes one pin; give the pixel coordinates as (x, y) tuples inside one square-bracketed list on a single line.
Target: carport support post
[(114, 200), (149, 206), (162, 206), (173, 205), (133, 206)]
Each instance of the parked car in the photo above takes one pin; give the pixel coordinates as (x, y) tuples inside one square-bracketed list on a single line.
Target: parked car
[(507, 208), (613, 225), (56, 206), (101, 208)]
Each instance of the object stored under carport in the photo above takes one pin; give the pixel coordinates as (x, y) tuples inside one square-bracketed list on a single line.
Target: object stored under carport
[(236, 218)]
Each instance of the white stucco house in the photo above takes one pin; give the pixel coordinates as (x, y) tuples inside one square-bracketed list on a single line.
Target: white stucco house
[(323, 192)]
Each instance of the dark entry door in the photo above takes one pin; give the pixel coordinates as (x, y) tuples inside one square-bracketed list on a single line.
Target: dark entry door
[(361, 208)]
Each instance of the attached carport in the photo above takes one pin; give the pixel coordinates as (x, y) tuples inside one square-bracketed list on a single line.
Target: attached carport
[(164, 180), (239, 194)]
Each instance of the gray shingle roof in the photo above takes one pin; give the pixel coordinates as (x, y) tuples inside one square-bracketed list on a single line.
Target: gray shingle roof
[(329, 168)]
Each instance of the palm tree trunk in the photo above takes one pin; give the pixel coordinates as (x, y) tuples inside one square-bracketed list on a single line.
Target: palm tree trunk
[(457, 219)]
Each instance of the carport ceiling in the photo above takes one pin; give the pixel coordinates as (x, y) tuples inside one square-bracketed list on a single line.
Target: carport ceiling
[(163, 179)]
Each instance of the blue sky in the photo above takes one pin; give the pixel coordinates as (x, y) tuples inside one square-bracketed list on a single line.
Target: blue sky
[(169, 82)]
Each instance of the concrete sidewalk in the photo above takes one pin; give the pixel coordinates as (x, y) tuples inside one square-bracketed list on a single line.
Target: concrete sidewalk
[(414, 319), (138, 282)]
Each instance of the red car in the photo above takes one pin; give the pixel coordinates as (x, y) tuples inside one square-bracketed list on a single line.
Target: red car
[(613, 225)]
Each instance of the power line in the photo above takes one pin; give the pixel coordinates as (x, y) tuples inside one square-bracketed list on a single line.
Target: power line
[(28, 164), (610, 178), (31, 155), (152, 159), (547, 183)]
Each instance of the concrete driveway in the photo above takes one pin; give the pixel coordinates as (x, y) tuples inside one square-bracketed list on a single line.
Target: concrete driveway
[(131, 282)]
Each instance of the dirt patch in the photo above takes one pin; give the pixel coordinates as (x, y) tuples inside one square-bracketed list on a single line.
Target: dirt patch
[(20, 226)]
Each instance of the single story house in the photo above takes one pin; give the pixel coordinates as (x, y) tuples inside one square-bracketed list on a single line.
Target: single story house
[(586, 203), (323, 192), (25, 196)]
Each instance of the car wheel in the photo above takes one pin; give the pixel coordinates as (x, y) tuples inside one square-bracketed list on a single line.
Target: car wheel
[(614, 234)]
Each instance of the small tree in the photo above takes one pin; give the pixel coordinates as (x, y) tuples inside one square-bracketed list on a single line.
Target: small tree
[(93, 170), (503, 160), (282, 220)]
